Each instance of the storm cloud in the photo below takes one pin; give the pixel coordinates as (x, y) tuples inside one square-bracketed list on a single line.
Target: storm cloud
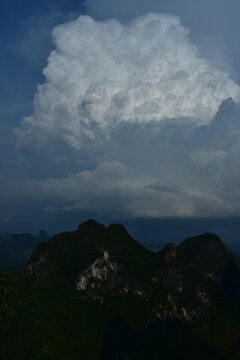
[(104, 74), (135, 121)]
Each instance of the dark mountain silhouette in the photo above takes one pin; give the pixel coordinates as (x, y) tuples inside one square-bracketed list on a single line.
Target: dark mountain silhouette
[(97, 292), (165, 339)]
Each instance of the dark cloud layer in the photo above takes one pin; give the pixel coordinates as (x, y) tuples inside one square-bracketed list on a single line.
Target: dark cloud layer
[(145, 171)]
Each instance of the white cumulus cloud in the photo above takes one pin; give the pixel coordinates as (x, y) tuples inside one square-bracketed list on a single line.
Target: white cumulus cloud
[(105, 74)]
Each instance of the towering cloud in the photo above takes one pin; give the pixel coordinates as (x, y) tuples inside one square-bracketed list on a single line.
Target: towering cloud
[(131, 120), (103, 75)]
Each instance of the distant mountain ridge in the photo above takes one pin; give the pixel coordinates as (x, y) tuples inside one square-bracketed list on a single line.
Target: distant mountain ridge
[(16, 249), (96, 293)]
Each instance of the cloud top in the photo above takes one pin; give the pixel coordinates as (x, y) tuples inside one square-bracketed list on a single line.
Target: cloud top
[(102, 75)]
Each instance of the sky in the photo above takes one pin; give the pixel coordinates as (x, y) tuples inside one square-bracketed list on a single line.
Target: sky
[(123, 112)]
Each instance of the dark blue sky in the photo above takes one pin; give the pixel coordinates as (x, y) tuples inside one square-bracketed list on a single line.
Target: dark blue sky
[(133, 121), (21, 69)]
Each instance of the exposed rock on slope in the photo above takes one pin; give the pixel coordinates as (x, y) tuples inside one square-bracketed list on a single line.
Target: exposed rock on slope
[(99, 262), (77, 283)]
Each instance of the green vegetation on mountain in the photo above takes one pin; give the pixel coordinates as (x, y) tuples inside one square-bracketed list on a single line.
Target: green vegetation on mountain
[(9, 296)]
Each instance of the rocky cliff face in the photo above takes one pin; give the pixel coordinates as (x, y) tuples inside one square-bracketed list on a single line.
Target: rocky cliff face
[(96, 293), (98, 263)]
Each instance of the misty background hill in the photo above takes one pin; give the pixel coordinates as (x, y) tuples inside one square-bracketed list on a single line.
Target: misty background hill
[(16, 249)]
